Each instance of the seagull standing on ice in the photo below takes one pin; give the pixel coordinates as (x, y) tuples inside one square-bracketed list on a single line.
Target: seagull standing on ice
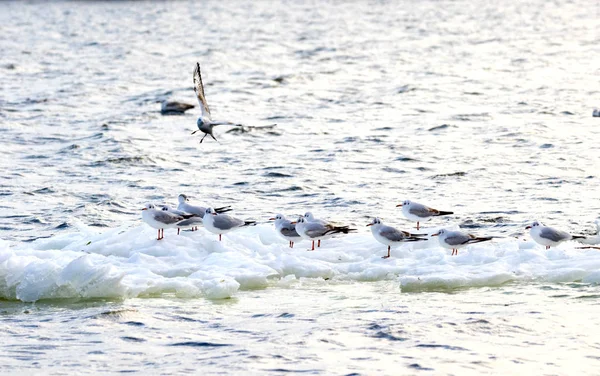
[(192, 221), (222, 223), (455, 240), (204, 122), (161, 219), (309, 217), (390, 236), (548, 236), (419, 212), (286, 229), (198, 210), (317, 230)]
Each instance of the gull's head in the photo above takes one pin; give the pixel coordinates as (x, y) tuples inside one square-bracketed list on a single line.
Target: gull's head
[(278, 217), (166, 208), (404, 203), (182, 198), (533, 225), (439, 233), (200, 122), (375, 221), (211, 211), (148, 206), (300, 220), (309, 216)]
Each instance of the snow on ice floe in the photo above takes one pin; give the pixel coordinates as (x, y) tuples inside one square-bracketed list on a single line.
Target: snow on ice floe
[(129, 262)]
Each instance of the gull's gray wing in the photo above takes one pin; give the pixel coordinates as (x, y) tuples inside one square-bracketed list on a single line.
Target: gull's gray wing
[(288, 229), (554, 235), (225, 222), (315, 229), (199, 89), (198, 210), (457, 238), (422, 211), (166, 217), (392, 234), (190, 222)]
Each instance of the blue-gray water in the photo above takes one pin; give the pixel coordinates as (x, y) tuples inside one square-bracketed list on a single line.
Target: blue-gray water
[(480, 108)]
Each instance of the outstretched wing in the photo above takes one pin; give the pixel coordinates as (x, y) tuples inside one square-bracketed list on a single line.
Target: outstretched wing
[(199, 89)]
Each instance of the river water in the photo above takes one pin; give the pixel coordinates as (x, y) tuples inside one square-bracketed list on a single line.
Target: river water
[(475, 107)]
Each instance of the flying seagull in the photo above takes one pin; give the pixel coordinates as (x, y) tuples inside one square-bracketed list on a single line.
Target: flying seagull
[(205, 123)]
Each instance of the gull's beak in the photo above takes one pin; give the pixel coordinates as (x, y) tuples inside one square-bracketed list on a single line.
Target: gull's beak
[(293, 222), (214, 213), (399, 205), (145, 209), (271, 219), (435, 235), (370, 224), (527, 228)]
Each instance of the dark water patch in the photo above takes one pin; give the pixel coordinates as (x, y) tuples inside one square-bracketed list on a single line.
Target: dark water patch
[(471, 117), (546, 146), (276, 175), (445, 347), (567, 113), (405, 159), (477, 321), (97, 352), (393, 170), (62, 225), (133, 339), (384, 129), (198, 344), (405, 89), (285, 370), (286, 315), (293, 188), (417, 366), (560, 296), (42, 191), (187, 319), (260, 315), (36, 157), (594, 296), (388, 336), (276, 117), (472, 93), (123, 161), (450, 175), (134, 323), (441, 127), (241, 183)]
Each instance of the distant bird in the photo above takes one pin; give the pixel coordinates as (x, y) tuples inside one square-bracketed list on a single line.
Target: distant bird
[(455, 240), (205, 123), (198, 210), (419, 212), (390, 236), (548, 236), (174, 108), (286, 229), (222, 223), (161, 219), (596, 113), (317, 231)]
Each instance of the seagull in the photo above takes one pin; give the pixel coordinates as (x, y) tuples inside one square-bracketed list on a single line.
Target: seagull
[(317, 231), (389, 236), (192, 221), (161, 219), (455, 240), (596, 113), (309, 217), (205, 123), (548, 236), (419, 212), (286, 229), (222, 223), (198, 210)]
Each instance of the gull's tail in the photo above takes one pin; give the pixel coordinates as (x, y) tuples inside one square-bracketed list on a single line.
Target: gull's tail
[(223, 209), (445, 212), (249, 223)]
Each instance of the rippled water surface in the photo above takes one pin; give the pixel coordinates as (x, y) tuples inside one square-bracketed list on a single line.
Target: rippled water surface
[(476, 107)]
